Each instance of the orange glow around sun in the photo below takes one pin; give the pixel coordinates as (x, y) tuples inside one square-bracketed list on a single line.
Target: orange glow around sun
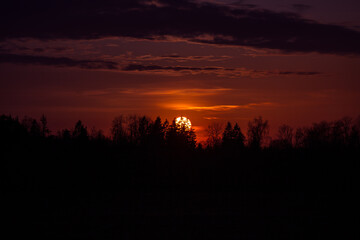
[(183, 122)]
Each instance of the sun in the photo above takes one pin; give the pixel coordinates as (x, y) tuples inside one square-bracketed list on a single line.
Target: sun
[(183, 122)]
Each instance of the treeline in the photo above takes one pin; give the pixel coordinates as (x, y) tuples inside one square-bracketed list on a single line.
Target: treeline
[(145, 152), (343, 133), (152, 177), (127, 132), (141, 131)]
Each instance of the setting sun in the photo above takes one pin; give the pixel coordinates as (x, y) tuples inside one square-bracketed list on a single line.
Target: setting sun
[(183, 122)]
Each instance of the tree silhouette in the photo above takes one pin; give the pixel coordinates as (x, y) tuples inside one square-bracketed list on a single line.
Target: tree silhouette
[(157, 134), (144, 130), (132, 125), (118, 130), (80, 132), (214, 135), (233, 138), (258, 129), (300, 137), (11, 130), (178, 137), (35, 129), (97, 135), (319, 135), (354, 139), (65, 135), (191, 138), (238, 137), (32, 126), (44, 128), (227, 135), (284, 137), (341, 131)]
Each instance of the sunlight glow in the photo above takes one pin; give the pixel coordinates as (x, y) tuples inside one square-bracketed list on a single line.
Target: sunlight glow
[(183, 122), (217, 108)]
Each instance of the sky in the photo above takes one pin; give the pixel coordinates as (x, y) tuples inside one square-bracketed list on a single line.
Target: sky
[(292, 62)]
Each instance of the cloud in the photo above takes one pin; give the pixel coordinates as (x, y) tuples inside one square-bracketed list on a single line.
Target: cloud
[(211, 118), (218, 108), (57, 61), (209, 23), (187, 91), (207, 108), (98, 64), (297, 73), (140, 67), (179, 58), (221, 71), (193, 92)]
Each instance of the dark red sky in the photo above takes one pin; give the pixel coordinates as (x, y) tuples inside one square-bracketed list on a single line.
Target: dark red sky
[(292, 62)]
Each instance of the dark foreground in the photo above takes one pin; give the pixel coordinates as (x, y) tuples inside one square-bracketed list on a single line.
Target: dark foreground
[(95, 189), (257, 196)]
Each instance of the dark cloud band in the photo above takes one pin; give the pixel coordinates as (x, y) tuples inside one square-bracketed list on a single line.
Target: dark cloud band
[(109, 65), (57, 62), (205, 23)]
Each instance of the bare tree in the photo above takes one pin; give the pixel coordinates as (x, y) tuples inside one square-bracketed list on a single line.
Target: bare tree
[(214, 132), (285, 135), (318, 135), (97, 135), (44, 128), (354, 138), (132, 122), (118, 129), (258, 130), (341, 131), (300, 137)]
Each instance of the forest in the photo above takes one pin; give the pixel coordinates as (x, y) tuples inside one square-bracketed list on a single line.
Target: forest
[(151, 178)]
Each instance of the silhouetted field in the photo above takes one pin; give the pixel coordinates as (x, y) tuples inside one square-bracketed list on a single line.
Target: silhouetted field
[(151, 180)]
